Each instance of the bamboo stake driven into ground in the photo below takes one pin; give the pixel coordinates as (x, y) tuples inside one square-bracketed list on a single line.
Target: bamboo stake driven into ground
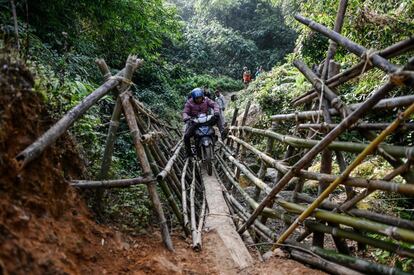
[(243, 122), (184, 194), (145, 166)]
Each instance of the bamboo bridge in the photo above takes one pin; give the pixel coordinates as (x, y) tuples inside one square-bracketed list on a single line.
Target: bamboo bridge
[(304, 221)]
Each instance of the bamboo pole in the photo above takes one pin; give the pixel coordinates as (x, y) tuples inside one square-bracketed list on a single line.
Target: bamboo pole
[(258, 182), (192, 209), (110, 183), (50, 136), (328, 178), (174, 180), (145, 166), (335, 231), (111, 136), (321, 263), (366, 192), (352, 147), (374, 144), (166, 190), (263, 165), (330, 69), (252, 203), (314, 226), (184, 194), (339, 21), (381, 218), (243, 122), (141, 109), (233, 121), (357, 223), (357, 263), (320, 86), (161, 162), (170, 163), (198, 241), (408, 126), (389, 103), (60, 127), (353, 47), (346, 123), (338, 79)]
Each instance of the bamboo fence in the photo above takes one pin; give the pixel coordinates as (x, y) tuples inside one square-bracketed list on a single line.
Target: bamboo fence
[(310, 220), (158, 149)]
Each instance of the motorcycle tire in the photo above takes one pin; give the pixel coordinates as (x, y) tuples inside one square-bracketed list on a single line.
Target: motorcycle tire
[(208, 159)]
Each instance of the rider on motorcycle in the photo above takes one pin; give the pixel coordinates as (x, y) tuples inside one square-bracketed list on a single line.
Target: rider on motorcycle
[(196, 105)]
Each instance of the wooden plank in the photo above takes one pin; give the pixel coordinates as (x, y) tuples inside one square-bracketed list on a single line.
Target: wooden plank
[(222, 235)]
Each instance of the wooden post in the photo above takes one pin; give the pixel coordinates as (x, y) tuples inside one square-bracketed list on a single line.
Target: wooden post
[(233, 122), (243, 122), (332, 44), (263, 166), (145, 166), (166, 190)]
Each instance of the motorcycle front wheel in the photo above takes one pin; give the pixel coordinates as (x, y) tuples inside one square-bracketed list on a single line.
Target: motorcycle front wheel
[(208, 159)]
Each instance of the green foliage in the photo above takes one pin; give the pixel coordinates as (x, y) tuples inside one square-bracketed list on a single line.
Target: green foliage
[(129, 207), (224, 83), (110, 29), (277, 88), (224, 36), (391, 259)]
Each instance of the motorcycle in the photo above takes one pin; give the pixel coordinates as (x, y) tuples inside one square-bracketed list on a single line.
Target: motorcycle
[(204, 141)]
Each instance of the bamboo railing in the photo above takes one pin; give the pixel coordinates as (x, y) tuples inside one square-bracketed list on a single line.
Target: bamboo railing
[(158, 149), (299, 214)]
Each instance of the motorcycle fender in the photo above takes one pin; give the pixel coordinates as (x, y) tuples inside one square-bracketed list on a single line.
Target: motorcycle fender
[(206, 141)]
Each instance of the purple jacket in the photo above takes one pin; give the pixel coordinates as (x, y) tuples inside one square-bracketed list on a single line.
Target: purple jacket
[(191, 109)]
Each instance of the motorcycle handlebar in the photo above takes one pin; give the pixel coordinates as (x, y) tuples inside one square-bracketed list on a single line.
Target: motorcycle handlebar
[(202, 119)]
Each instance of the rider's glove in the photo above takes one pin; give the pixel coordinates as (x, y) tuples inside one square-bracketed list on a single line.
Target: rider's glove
[(216, 115), (186, 120)]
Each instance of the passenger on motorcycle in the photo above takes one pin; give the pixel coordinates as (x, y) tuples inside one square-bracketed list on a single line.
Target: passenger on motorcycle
[(196, 105)]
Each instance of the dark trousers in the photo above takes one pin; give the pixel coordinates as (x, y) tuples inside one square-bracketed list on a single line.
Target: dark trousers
[(191, 128)]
